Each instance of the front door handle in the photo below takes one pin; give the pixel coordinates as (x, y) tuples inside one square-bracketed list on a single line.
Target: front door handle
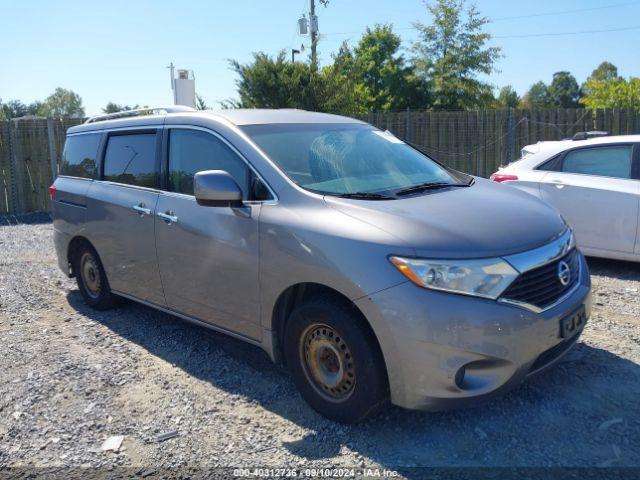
[(141, 209), (168, 217), (558, 183)]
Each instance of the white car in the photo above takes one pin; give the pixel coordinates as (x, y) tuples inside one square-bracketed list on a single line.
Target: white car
[(594, 183)]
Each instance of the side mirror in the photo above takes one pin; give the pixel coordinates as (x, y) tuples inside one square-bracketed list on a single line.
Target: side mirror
[(216, 188)]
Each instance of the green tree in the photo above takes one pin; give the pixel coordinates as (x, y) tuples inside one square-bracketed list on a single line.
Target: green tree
[(536, 97), (508, 97), (35, 108), (342, 92), (382, 75), (112, 107), (200, 103), (13, 109), (63, 103), (564, 90), (343, 61), (615, 93), (273, 82), (452, 52), (605, 72)]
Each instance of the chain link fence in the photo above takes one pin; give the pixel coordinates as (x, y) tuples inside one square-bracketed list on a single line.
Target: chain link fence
[(475, 142)]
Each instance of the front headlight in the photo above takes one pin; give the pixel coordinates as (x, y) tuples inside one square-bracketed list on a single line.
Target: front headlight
[(486, 278)]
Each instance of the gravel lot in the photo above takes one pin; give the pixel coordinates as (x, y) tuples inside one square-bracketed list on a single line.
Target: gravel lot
[(71, 377)]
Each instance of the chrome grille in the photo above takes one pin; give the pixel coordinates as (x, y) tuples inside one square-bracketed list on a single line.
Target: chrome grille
[(541, 286)]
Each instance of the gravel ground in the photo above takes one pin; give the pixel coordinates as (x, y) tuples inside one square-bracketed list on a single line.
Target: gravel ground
[(72, 377)]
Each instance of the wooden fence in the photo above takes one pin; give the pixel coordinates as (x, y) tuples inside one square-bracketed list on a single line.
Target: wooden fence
[(476, 142), (30, 150)]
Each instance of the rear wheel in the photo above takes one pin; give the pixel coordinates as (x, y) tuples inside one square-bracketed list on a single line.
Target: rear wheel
[(335, 361), (92, 279)]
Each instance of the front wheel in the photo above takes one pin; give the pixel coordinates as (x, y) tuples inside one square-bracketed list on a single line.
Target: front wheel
[(335, 361)]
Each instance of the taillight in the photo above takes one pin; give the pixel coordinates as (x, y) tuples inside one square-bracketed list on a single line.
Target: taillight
[(502, 177), (52, 191)]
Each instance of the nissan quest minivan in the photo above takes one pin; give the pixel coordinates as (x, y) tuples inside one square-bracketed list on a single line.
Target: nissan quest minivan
[(374, 273)]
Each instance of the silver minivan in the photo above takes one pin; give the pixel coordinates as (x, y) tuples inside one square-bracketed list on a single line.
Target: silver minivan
[(374, 273)]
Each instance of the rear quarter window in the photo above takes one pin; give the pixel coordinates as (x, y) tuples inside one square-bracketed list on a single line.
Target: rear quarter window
[(554, 164), (79, 155)]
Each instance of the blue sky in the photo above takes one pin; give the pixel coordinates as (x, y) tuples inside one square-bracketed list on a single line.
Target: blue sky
[(118, 50)]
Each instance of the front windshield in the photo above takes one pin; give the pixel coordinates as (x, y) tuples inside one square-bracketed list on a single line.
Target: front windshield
[(339, 159)]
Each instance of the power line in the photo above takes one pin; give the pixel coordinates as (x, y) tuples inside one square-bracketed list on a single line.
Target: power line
[(563, 12), (526, 35), (518, 17), (559, 34)]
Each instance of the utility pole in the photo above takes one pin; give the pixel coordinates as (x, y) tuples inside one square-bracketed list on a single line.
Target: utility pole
[(314, 35), (173, 87)]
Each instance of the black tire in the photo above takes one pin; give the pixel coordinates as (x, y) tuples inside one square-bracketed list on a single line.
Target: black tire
[(347, 342), (92, 279)]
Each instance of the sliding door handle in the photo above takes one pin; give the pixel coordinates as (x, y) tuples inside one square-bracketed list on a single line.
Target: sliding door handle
[(141, 209), (168, 217)]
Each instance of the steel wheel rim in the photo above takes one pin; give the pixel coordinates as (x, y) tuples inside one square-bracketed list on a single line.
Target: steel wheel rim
[(328, 362), (90, 275)]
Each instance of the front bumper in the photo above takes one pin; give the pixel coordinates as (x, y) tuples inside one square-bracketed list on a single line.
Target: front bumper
[(426, 338)]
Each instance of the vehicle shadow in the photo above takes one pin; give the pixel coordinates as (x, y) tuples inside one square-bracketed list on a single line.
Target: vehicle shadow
[(33, 218), (619, 269), (583, 412)]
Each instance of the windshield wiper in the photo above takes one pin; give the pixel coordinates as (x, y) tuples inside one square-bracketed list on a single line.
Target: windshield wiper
[(365, 196), (421, 187)]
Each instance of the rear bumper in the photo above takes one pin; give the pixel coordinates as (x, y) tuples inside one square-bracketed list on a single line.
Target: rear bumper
[(427, 337), (61, 242)]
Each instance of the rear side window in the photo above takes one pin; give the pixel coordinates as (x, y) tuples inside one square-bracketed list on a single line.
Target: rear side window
[(552, 165), (79, 155), (131, 159), (602, 161), (191, 151)]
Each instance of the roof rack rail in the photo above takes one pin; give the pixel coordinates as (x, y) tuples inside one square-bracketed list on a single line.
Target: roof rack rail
[(588, 135), (140, 112)]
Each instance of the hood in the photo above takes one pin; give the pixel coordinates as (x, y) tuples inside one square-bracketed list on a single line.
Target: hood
[(484, 220)]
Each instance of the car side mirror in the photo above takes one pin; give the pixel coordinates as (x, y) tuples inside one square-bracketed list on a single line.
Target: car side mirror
[(216, 188)]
